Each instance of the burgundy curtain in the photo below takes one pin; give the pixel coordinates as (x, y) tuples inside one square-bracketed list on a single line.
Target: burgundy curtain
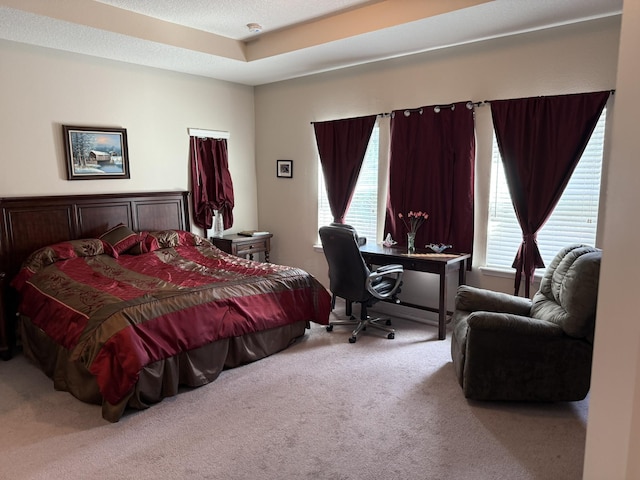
[(541, 141), (211, 185), (432, 162), (342, 145)]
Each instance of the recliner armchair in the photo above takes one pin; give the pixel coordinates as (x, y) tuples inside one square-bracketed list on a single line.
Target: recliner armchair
[(512, 348), (350, 278)]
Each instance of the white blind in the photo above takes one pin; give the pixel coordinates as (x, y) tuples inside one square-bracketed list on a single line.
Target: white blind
[(574, 220), (362, 213)]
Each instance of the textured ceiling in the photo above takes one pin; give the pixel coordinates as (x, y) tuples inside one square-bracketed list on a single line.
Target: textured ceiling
[(229, 18), (299, 37)]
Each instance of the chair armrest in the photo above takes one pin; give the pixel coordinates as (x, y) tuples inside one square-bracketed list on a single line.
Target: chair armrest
[(507, 323), (381, 275), (384, 269), (472, 299)]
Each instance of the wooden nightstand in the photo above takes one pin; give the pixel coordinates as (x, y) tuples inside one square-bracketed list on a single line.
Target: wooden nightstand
[(244, 246)]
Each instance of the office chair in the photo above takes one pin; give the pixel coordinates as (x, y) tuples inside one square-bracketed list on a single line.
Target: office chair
[(361, 241), (351, 279)]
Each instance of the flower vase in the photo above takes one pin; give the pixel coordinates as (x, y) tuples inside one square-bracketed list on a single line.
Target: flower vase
[(411, 242), (218, 224)]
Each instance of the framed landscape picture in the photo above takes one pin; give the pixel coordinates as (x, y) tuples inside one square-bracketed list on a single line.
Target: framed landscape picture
[(96, 153)]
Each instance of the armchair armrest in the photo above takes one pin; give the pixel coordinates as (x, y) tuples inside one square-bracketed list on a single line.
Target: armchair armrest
[(376, 279), (508, 324), (472, 299)]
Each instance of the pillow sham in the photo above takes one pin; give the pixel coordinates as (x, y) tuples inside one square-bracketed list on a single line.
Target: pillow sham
[(153, 241), (86, 247), (121, 238)]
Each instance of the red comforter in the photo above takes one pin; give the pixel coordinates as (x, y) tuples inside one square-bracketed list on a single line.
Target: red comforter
[(117, 315)]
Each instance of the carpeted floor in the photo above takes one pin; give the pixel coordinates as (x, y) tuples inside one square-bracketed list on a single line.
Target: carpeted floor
[(322, 409)]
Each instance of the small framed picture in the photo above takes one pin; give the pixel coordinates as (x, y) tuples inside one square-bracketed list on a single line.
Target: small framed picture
[(284, 168), (96, 153)]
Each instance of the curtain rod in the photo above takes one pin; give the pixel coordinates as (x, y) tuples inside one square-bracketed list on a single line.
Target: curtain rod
[(202, 133), (437, 108), (408, 111), (486, 102)]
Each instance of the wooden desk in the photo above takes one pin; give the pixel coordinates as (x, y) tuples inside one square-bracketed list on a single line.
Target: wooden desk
[(242, 246), (422, 261)]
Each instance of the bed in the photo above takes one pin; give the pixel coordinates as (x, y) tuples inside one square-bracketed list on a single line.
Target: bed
[(122, 306)]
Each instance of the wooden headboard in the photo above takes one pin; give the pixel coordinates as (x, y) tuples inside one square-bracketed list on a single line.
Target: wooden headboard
[(29, 223)]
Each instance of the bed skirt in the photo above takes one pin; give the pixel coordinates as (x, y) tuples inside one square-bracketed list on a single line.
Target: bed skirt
[(160, 379)]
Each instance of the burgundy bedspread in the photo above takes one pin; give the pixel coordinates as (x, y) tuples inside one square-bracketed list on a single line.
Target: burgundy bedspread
[(117, 315)]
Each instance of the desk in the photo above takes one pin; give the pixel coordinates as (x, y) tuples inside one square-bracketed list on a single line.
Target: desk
[(441, 264)]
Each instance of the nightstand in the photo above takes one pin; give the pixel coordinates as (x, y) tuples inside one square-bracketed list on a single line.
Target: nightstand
[(242, 246)]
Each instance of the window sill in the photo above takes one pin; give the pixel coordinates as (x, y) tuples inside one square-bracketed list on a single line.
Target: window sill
[(506, 273)]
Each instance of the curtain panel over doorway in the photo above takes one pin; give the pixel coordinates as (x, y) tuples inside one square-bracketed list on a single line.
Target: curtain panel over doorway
[(541, 140), (431, 169), (342, 145), (211, 184)]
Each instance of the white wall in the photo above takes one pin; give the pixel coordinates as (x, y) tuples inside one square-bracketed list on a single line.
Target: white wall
[(577, 58), (42, 89), (613, 432)]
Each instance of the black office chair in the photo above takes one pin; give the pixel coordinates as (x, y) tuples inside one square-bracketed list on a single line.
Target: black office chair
[(351, 279), (361, 241)]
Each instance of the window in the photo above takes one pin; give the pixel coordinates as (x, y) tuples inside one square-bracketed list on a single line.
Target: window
[(574, 220), (362, 213)]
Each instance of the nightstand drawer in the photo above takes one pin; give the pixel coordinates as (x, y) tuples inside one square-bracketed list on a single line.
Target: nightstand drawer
[(256, 245)]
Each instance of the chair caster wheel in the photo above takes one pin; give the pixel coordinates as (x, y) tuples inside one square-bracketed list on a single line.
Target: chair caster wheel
[(352, 339), (329, 328), (391, 336), (388, 322)]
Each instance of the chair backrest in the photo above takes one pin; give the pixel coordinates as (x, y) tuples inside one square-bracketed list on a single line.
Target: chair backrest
[(361, 240), (569, 291), (348, 271)]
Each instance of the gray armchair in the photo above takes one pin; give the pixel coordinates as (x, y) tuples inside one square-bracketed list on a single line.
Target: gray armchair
[(512, 348)]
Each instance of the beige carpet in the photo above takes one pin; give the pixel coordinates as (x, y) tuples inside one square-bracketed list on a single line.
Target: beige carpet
[(322, 409)]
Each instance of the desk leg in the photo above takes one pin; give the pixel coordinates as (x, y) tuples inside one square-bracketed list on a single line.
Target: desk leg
[(462, 275), (442, 307)]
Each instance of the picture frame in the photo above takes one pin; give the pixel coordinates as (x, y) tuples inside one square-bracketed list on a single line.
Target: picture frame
[(96, 153), (284, 168)]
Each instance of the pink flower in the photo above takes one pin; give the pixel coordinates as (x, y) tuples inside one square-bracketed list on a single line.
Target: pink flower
[(416, 219)]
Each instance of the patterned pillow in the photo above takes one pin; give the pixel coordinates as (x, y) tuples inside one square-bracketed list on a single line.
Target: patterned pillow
[(139, 247), (86, 247), (152, 241), (121, 238)]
